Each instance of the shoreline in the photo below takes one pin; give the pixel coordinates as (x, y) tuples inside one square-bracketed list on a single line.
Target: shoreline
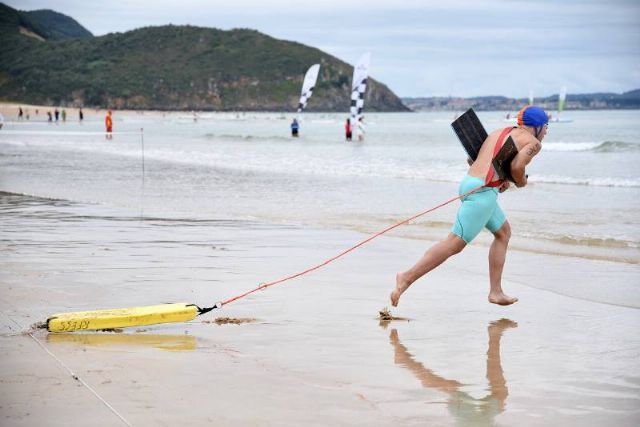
[(10, 109), (428, 236), (317, 353)]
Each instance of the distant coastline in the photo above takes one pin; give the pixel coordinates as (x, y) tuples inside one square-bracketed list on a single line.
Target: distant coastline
[(590, 101), (9, 109)]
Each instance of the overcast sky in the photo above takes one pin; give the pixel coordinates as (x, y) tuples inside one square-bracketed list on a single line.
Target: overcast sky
[(421, 48)]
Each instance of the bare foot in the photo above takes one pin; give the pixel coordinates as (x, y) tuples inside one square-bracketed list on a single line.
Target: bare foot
[(401, 286), (501, 299)]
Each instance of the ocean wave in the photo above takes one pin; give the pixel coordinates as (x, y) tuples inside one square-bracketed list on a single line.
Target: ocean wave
[(591, 181), (599, 147), (596, 242), (616, 146), (588, 241), (245, 137), (563, 239)]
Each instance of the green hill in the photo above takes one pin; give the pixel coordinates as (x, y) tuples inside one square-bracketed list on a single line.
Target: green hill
[(170, 68), (39, 24), (54, 26)]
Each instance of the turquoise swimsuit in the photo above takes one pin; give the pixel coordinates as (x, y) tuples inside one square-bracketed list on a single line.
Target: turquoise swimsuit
[(478, 210)]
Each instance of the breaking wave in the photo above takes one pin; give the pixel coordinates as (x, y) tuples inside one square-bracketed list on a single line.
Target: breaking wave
[(599, 147)]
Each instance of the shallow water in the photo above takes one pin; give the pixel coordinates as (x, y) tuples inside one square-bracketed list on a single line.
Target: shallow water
[(231, 201), (582, 199)]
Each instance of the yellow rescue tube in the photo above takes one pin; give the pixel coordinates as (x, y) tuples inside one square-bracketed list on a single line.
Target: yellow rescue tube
[(121, 317)]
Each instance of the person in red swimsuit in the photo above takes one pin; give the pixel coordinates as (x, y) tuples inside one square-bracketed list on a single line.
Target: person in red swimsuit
[(108, 122), (347, 130)]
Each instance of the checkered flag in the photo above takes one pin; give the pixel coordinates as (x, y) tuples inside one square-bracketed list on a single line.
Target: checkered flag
[(357, 100), (303, 100), (308, 85), (358, 87)]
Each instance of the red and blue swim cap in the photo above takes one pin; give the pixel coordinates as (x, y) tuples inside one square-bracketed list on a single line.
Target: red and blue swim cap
[(532, 116)]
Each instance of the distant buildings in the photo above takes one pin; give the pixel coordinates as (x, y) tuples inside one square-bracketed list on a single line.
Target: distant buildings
[(593, 101)]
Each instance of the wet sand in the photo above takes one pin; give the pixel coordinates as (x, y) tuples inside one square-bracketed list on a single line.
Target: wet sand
[(317, 353)]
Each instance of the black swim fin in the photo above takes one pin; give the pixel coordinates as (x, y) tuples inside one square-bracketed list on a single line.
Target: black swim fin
[(470, 132)]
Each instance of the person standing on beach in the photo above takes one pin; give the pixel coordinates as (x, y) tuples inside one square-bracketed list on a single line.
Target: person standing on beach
[(108, 122), (64, 115), (480, 209), (80, 115), (50, 118), (57, 114), (1, 120), (20, 113)]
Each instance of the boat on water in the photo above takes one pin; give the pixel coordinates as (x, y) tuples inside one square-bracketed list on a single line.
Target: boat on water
[(557, 118), (513, 118), (562, 97)]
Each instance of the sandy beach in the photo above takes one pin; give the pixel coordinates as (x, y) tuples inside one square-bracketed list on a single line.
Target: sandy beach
[(228, 202), (38, 113), (316, 354)]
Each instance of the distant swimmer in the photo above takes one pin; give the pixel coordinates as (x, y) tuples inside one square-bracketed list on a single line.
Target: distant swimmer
[(295, 126), (347, 130), (480, 209), (108, 122)]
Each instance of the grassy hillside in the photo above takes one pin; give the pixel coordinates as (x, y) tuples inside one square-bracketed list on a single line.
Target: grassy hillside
[(174, 67), (53, 25)]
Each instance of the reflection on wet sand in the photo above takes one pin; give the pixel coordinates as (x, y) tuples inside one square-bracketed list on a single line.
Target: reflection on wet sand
[(162, 342), (466, 409)]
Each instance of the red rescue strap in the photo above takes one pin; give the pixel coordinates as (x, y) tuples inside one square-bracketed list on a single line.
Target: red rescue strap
[(341, 254), (263, 286), (491, 172)]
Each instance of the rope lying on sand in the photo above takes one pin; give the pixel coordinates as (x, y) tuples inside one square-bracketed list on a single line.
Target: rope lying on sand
[(343, 253), (183, 312)]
